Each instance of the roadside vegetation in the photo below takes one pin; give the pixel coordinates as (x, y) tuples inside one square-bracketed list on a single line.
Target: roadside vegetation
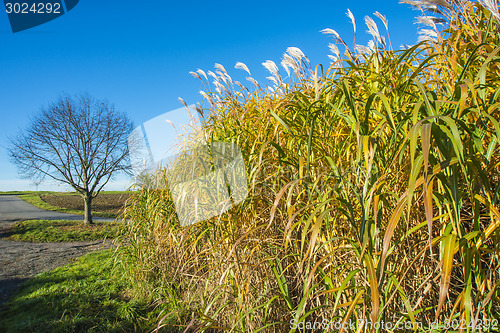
[(61, 231), (107, 204), (374, 190), (16, 192), (90, 295)]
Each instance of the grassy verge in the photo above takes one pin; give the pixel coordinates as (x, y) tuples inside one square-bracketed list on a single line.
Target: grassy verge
[(89, 295), (58, 193), (16, 192), (35, 200), (61, 231)]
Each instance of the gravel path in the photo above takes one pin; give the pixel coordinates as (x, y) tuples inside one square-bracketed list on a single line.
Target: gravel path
[(20, 261)]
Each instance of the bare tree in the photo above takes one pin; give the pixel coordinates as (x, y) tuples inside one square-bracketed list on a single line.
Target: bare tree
[(79, 141), (38, 180)]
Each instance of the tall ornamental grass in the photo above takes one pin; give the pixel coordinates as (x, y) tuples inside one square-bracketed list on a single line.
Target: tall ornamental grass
[(373, 191)]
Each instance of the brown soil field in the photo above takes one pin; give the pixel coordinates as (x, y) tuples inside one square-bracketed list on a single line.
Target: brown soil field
[(112, 203)]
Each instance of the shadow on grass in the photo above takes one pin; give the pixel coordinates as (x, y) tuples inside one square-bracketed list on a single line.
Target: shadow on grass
[(23, 285), (85, 296), (71, 312), (8, 287), (6, 232)]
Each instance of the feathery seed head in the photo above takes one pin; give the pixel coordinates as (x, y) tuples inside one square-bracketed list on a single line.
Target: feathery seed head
[(271, 67), (427, 34), (295, 52), (383, 19), (253, 81), (273, 80), (289, 62), (372, 28), (240, 65), (238, 83), (371, 45), (221, 76), (443, 3), (194, 74), (492, 6), (335, 35), (182, 101), (220, 67), (353, 20), (329, 31), (212, 74), (417, 4), (361, 49), (334, 49), (333, 58), (429, 21), (205, 95), (201, 72)]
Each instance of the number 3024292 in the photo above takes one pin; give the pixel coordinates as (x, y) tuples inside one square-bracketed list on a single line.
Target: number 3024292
[(36, 8)]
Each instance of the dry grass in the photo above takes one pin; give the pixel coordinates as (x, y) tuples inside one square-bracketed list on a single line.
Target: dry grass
[(373, 192)]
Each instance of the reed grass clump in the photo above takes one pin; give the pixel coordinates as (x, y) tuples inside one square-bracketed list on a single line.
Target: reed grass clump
[(373, 191)]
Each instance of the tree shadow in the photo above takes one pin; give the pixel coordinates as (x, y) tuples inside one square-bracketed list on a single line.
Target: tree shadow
[(8, 287), (6, 232), (71, 311)]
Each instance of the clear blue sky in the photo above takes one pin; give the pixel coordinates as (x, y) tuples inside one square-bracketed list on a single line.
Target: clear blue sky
[(138, 54)]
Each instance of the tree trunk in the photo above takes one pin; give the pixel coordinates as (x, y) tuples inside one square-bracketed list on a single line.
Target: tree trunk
[(88, 208)]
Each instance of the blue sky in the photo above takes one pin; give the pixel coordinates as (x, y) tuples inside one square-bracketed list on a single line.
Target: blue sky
[(138, 54)]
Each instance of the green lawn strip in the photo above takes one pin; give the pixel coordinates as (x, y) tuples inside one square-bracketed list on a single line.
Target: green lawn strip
[(35, 200), (89, 295), (58, 193), (18, 192), (61, 231)]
